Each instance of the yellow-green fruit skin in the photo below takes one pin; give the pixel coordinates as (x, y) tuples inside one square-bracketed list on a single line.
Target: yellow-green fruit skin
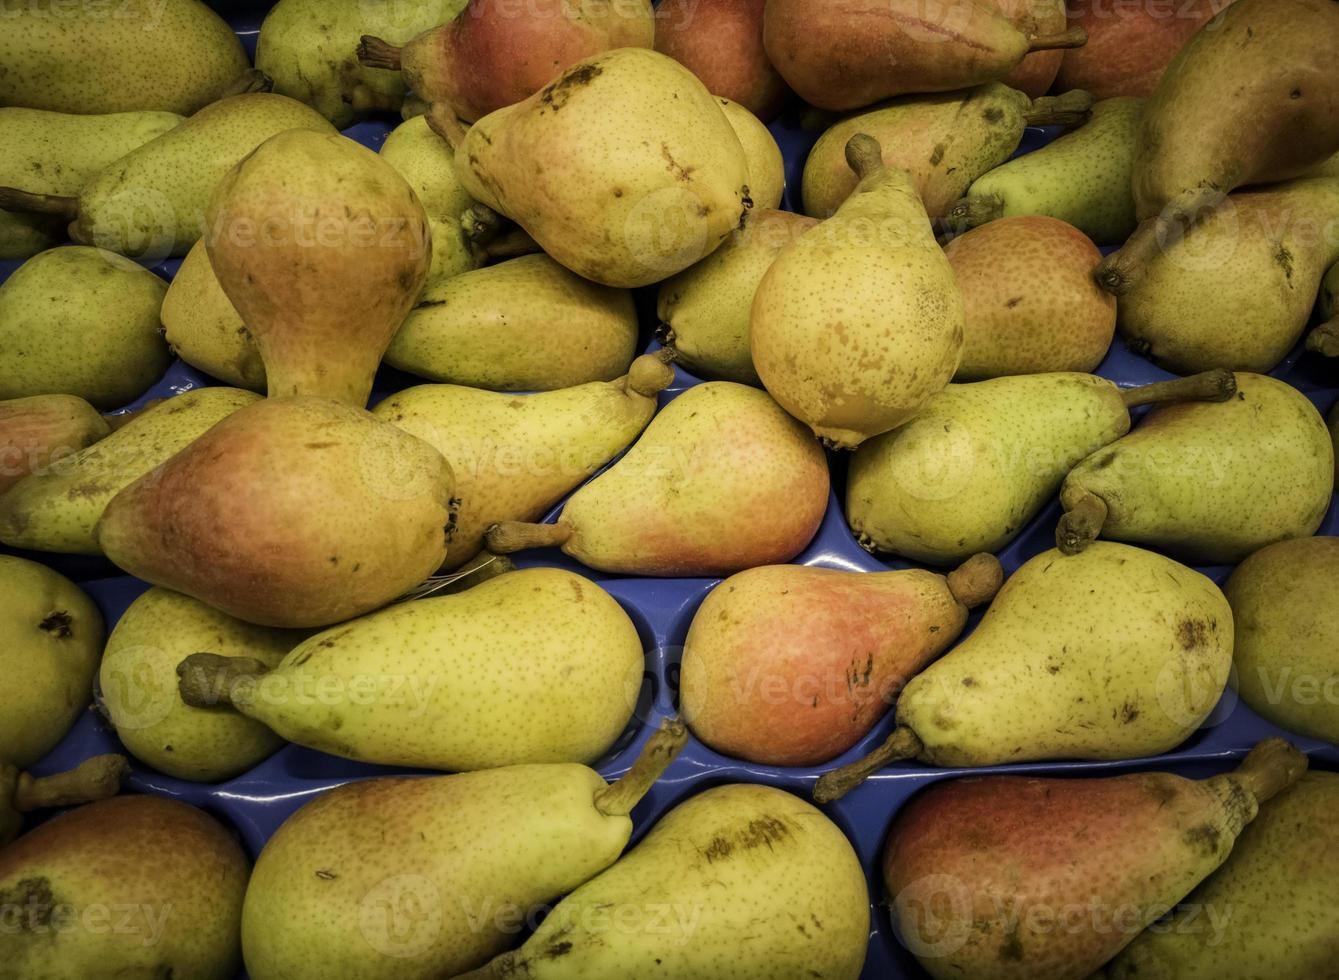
[(1285, 599), (766, 167), (53, 637), (138, 680), (40, 433), (205, 330), (1269, 912)]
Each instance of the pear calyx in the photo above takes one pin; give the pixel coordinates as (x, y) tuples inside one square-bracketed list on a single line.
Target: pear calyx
[(975, 581), (1269, 768), (373, 52), (57, 205), (1324, 340), (1075, 37), (1081, 524), (481, 223), (650, 374), (94, 779), (1217, 385), (1071, 108), (507, 537), (618, 799), (206, 680), (903, 743), (972, 212)]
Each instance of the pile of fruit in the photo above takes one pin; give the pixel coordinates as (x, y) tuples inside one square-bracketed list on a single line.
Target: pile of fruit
[(871, 458)]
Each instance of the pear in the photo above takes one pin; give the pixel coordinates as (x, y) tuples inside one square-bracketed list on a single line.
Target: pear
[(514, 458), (243, 494), (205, 330), (435, 683), (1082, 178), (788, 665), (1209, 483), (81, 321), (1033, 877), (766, 168), (56, 510), (1273, 899), (1325, 338), (1115, 653), (53, 638), (476, 851), (624, 169), (138, 886), (1036, 72), (20, 792), (138, 685), (721, 480), (150, 204), (344, 252), (1285, 600), (39, 432), (170, 56), (56, 153), (721, 43), (704, 310), (856, 325), (526, 324), (969, 472), (943, 141), (1334, 437), (740, 881)]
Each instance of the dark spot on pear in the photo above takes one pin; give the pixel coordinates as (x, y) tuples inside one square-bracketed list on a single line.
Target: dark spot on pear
[(1203, 838), (1011, 304), (719, 849), (1191, 633), (937, 155), (993, 115), (326, 875), (57, 624)]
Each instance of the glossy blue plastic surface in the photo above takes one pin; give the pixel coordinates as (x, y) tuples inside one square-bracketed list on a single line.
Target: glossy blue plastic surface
[(259, 801)]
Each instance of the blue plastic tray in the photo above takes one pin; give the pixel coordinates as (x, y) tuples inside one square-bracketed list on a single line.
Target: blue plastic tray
[(257, 802)]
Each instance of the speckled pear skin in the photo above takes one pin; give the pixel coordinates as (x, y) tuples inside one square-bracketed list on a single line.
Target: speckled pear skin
[(1285, 600), (678, 189), (1278, 887), (138, 681), (152, 201), (721, 480), (741, 882), (979, 462), (57, 510), (1036, 71), (1211, 482), (450, 692), (42, 430), (856, 325), (1334, 437), (53, 640), (205, 330), (1034, 877), (1117, 652), (707, 306), (766, 168), (527, 324), (56, 153), (170, 55), (81, 321)]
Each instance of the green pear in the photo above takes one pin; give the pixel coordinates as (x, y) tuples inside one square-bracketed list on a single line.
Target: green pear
[(137, 886), (81, 321), (766, 168), (53, 638), (981, 460), (1083, 178), (20, 792), (170, 55), (57, 510), (527, 324), (860, 322), (39, 432), (721, 480), (435, 683), (676, 191), (1285, 600), (1325, 338), (705, 309), (514, 458), (205, 330), (1114, 653), (339, 885), (1209, 483), (740, 881), (1268, 911), (138, 683), (57, 153), (1334, 437)]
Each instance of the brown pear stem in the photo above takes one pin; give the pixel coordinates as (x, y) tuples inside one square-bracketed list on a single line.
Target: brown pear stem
[(248, 83), (481, 223), (94, 779), (1217, 385), (971, 212), (1075, 37), (864, 155), (1119, 271), (373, 52), (56, 205), (901, 744), (1069, 109), (1324, 339), (443, 121), (618, 799), (205, 680), (1081, 524), (1271, 767), (976, 580), (507, 537), (650, 374), (514, 243)]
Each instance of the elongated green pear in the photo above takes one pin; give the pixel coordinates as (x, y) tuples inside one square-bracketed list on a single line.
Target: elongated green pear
[(678, 189), (476, 851), (1210, 483), (205, 330), (1116, 653), (41, 431), (514, 458), (741, 881), (720, 481), (56, 510), (20, 792), (981, 460), (435, 682), (856, 325), (1049, 878)]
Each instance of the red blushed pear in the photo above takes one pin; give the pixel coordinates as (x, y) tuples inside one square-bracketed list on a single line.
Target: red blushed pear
[(789, 665), (1052, 877)]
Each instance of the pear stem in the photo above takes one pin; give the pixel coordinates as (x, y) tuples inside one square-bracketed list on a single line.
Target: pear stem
[(864, 155), (650, 374), (1324, 339), (507, 537), (248, 83), (975, 581), (1075, 37), (1081, 524), (513, 244), (903, 743), (1217, 385), (1070, 109), (971, 212), (618, 799), (1271, 767), (1119, 271), (205, 680), (443, 121), (94, 779), (57, 205), (373, 52)]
